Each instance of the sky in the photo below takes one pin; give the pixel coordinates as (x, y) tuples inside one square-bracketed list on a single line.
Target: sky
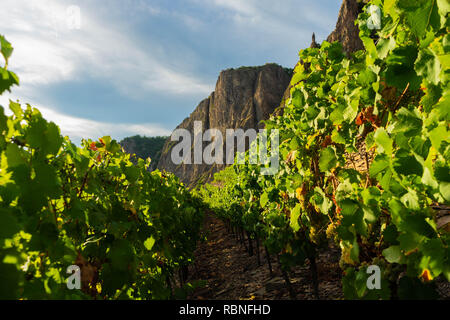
[(128, 67)]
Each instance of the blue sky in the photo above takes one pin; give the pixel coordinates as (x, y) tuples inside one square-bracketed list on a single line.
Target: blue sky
[(142, 66)]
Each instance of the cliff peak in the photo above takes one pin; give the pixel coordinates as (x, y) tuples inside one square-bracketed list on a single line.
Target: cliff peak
[(346, 31), (242, 98)]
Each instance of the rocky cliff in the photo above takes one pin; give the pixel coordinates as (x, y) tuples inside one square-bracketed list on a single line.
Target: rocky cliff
[(242, 98), (346, 31), (245, 96)]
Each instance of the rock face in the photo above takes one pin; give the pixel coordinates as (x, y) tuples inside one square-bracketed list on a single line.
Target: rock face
[(245, 96), (346, 31), (314, 44), (242, 98)]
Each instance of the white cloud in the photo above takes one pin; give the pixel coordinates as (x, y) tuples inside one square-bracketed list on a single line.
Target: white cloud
[(47, 51), (78, 128), (243, 7), (192, 23), (285, 19)]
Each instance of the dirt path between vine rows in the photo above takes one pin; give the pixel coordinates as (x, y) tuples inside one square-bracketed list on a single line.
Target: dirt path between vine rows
[(231, 274)]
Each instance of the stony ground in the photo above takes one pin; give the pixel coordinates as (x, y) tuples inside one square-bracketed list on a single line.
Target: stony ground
[(231, 274)]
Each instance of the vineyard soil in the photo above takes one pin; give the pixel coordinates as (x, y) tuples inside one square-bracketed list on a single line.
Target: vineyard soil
[(232, 274)]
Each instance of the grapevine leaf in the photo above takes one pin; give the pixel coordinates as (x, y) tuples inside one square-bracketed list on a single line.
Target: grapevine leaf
[(349, 207), (384, 46), (328, 159), (7, 80), (400, 68), (354, 253), (5, 47), (297, 77), (438, 135), (54, 139), (444, 7), (444, 189), (371, 50), (420, 14), (433, 256), (408, 122), (320, 200), (390, 234), (442, 172), (8, 224), (407, 164), (417, 223), (149, 243), (383, 141), (366, 77), (264, 199), (14, 156), (393, 254), (428, 66), (410, 241), (420, 146), (411, 200), (16, 109), (295, 214), (431, 98)]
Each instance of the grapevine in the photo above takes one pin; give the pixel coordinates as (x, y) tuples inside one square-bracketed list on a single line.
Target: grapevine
[(389, 102), (128, 229)]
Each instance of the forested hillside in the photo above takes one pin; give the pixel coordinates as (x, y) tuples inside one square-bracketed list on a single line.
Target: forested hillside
[(144, 147)]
